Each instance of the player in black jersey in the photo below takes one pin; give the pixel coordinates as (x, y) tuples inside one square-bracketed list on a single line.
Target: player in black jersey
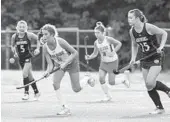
[(21, 47), (143, 36)]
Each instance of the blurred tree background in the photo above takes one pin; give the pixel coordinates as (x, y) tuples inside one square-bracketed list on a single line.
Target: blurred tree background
[(84, 14)]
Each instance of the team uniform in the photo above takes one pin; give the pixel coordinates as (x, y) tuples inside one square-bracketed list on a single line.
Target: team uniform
[(148, 45), (109, 58), (23, 46), (60, 55)]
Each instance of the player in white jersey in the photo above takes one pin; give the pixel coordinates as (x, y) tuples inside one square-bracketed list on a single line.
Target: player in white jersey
[(107, 47), (59, 53)]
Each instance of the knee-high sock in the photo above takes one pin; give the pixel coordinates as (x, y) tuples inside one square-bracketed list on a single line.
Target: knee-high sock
[(106, 89), (26, 81), (60, 98), (34, 87), (155, 98), (162, 87)]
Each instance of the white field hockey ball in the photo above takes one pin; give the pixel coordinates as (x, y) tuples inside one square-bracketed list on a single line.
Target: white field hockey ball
[(12, 60), (92, 82)]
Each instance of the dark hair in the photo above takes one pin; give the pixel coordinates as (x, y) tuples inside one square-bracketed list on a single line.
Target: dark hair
[(100, 26), (138, 13)]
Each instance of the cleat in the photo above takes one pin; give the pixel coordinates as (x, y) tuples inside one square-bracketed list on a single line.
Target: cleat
[(126, 81), (64, 112), (107, 99), (158, 111), (25, 97), (36, 96)]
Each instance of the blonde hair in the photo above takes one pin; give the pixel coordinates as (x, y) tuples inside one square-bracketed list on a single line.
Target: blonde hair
[(22, 22), (51, 29)]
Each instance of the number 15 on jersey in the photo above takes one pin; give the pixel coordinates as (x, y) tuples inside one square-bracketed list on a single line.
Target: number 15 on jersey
[(145, 47)]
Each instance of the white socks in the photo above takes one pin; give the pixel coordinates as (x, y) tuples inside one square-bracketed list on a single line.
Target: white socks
[(106, 89), (60, 98)]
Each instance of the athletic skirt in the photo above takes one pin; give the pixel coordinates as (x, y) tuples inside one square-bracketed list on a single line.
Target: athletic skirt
[(109, 66)]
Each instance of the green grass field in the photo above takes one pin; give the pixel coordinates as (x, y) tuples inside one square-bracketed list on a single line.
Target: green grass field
[(128, 104)]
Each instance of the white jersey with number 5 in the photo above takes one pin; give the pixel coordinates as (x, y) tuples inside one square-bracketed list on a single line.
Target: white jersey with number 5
[(107, 51), (59, 55)]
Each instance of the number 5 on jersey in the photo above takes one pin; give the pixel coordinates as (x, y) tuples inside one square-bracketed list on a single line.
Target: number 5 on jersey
[(22, 48)]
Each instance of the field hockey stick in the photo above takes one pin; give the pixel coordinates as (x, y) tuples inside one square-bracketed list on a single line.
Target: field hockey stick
[(86, 52), (37, 79), (130, 65)]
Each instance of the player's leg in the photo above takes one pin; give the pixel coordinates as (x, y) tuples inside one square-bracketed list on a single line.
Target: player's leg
[(111, 76), (25, 65), (113, 66), (104, 86), (34, 85), (57, 77), (159, 85), (117, 81), (162, 87), (77, 84), (150, 82)]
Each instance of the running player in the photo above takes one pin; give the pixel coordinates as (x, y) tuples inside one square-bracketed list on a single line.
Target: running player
[(59, 53), (107, 47), (143, 36), (21, 47)]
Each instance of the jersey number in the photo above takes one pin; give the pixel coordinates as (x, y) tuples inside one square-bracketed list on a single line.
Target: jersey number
[(145, 47), (22, 48)]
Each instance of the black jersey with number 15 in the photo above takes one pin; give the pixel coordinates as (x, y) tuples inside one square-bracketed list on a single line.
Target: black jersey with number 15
[(147, 43), (23, 46)]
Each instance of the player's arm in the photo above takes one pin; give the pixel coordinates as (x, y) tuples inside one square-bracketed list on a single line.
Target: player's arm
[(134, 47), (33, 37), (65, 45), (117, 44), (154, 30), (13, 46), (94, 54), (48, 59)]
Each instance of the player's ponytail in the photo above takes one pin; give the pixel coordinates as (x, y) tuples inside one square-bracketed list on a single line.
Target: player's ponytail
[(138, 13), (100, 26), (99, 23), (143, 18)]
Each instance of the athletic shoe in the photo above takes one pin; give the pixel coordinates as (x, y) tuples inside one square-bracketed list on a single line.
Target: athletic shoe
[(25, 97), (158, 111), (64, 112), (36, 96), (127, 81), (107, 99)]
